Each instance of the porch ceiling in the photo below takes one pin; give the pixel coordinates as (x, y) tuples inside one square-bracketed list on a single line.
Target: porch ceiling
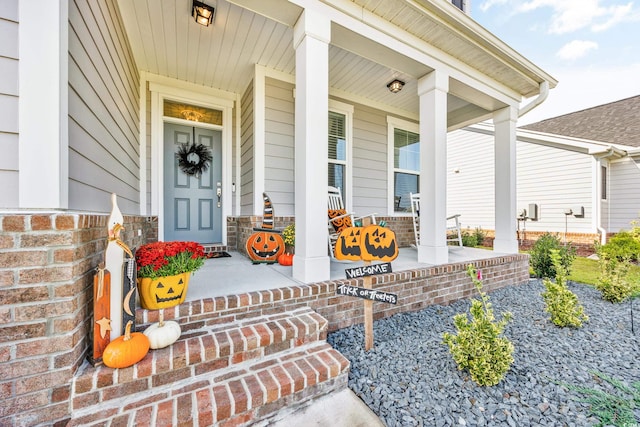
[(166, 41)]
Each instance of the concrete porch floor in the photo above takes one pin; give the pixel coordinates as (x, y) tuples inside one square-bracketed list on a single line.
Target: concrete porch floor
[(236, 274)]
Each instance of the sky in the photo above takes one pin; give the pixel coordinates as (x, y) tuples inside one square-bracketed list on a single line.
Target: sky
[(592, 47)]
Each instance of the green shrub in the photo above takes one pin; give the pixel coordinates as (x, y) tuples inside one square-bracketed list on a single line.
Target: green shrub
[(623, 245), (480, 235), (540, 256), (614, 281), (469, 239), (478, 346), (561, 303)]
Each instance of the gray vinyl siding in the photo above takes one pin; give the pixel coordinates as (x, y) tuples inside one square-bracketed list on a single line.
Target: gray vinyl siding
[(9, 103), (556, 180), (246, 153), (369, 161), (470, 192), (279, 146), (104, 151), (624, 194), (552, 178)]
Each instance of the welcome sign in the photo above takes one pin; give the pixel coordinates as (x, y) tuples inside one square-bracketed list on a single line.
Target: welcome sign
[(368, 270)]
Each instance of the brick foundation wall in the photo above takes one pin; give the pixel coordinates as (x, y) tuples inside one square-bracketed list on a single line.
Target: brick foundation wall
[(416, 289), (582, 242), (47, 262)]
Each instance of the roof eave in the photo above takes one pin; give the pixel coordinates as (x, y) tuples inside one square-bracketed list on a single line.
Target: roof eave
[(481, 37)]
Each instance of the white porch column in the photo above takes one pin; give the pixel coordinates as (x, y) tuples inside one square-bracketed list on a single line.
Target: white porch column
[(43, 122), (505, 180), (432, 90), (311, 36)]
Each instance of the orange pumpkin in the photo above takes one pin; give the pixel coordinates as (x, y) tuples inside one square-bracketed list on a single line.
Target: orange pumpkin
[(265, 246), (285, 259), (126, 350), (348, 244), (378, 244)]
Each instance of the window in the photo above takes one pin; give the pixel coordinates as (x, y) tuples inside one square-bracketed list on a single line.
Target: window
[(405, 146), (339, 170), (459, 4), (603, 182), (337, 150)]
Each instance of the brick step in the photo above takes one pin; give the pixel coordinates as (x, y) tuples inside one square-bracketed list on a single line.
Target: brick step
[(241, 372)]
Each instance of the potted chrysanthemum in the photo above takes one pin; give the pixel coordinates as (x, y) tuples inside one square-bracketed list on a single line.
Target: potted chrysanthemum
[(164, 269)]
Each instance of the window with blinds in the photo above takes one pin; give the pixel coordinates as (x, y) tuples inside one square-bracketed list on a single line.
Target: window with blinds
[(337, 150), (406, 164)]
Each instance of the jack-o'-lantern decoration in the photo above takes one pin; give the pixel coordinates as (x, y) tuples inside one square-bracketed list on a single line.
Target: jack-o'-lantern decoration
[(265, 246), (348, 244), (378, 244), (163, 292)]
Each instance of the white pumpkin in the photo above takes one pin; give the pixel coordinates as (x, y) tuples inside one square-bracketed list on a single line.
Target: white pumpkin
[(162, 334)]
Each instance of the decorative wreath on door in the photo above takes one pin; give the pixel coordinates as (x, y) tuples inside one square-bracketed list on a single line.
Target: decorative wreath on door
[(194, 159)]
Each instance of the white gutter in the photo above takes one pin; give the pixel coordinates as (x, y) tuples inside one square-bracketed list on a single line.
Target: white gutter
[(544, 92)]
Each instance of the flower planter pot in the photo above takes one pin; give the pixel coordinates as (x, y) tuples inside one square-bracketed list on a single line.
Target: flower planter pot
[(163, 292)]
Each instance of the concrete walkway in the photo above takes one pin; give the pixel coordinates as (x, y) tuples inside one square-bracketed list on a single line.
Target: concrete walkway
[(340, 409)]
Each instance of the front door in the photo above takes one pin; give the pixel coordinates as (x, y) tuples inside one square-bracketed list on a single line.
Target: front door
[(192, 203)]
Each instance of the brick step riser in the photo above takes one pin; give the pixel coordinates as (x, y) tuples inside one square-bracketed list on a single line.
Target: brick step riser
[(240, 369), (202, 352), (254, 391)]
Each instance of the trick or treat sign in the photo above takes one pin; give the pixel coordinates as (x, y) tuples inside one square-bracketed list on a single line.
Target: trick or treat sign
[(368, 243), (368, 294)]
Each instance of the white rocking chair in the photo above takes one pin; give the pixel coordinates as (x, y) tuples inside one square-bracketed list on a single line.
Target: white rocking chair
[(339, 217), (454, 234)]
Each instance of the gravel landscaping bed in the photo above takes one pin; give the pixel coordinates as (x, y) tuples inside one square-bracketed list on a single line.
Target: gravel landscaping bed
[(409, 378)]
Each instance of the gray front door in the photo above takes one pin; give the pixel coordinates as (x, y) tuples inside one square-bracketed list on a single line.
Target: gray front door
[(192, 204)]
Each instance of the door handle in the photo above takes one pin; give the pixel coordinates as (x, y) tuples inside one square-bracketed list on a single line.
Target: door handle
[(219, 194)]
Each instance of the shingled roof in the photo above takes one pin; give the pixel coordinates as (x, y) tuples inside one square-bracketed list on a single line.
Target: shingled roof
[(617, 123)]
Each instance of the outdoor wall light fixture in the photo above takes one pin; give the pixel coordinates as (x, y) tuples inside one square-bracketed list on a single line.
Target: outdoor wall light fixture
[(395, 86), (202, 13)]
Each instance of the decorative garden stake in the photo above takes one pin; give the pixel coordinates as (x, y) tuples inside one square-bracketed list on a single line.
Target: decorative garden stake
[(370, 242), (114, 260), (101, 313)]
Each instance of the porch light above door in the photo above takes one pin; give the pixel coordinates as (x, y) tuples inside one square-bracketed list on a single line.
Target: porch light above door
[(202, 13), (395, 86)]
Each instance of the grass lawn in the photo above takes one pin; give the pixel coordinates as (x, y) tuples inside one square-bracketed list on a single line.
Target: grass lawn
[(585, 270)]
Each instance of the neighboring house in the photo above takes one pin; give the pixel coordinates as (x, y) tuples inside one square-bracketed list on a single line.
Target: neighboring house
[(96, 96), (580, 171)]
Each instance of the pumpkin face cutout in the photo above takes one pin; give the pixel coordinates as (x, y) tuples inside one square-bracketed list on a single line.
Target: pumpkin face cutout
[(265, 246), (163, 292), (378, 244), (348, 244)]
